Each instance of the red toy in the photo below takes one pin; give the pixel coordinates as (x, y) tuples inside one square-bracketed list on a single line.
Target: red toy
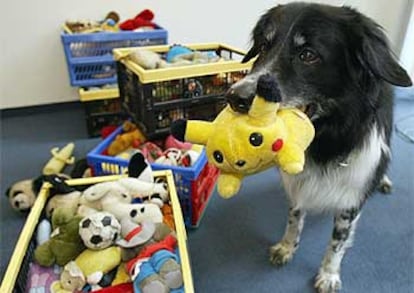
[(143, 19), (121, 288)]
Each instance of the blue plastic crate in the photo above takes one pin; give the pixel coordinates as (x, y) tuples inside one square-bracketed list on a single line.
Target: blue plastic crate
[(89, 56), (194, 184)]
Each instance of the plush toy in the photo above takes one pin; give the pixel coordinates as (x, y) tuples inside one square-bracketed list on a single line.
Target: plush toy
[(242, 144), (131, 136), (147, 59), (41, 279), (109, 23), (140, 184), (172, 142), (154, 263), (59, 159), (43, 231), (65, 243), (89, 268), (67, 200), (138, 236), (22, 194), (99, 230), (142, 19)]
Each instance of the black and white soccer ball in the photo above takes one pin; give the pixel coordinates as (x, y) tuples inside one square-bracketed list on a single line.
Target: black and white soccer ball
[(99, 230)]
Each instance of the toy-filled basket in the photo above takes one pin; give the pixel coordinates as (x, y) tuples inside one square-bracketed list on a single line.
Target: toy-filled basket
[(156, 97), (89, 55), (194, 184), (17, 276), (102, 108)]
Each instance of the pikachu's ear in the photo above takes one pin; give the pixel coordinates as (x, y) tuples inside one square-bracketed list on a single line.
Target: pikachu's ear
[(193, 131), (267, 99)]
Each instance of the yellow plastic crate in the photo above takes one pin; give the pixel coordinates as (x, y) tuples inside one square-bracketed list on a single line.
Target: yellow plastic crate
[(102, 108), (21, 255), (98, 94), (163, 74)]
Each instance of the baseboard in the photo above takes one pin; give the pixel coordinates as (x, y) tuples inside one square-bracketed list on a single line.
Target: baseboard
[(40, 109)]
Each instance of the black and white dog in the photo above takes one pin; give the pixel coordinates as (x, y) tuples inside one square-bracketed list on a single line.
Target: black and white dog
[(335, 64)]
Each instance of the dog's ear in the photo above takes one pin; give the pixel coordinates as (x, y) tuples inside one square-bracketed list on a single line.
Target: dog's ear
[(253, 52), (376, 56), (263, 33)]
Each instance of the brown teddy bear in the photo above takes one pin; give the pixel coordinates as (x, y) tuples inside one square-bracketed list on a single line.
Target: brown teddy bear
[(131, 136)]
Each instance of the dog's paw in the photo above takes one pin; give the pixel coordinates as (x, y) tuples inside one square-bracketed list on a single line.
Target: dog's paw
[(385, 185), (281, 253), (327, 282)]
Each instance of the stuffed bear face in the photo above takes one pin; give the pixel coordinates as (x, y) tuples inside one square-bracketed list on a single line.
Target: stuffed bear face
[(72, 278), (21, 195)]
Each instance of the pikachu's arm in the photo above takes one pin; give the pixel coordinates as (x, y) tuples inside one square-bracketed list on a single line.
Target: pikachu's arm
[(194, 131), (290, 158), (228, 184)]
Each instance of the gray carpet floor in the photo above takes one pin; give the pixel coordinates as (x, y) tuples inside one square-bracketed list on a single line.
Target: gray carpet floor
[(229, 250)]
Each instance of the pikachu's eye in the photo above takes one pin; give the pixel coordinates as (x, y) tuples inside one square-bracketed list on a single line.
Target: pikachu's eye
[(218, 156), (256, 139)]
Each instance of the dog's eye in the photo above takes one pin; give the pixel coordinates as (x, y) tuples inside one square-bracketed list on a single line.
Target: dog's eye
[(218, 156), (256, 139), (308, 56)]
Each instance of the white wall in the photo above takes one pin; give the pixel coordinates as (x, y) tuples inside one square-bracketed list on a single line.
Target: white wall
[(407, 53), (33, 69)]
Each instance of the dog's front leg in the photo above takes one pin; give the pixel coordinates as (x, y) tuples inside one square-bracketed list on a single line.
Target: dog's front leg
[(282, 252), (328, 279)]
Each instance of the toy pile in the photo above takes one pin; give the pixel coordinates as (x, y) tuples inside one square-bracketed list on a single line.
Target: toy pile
[(177, 55), (115, 236), (169, 152), (143, 21)]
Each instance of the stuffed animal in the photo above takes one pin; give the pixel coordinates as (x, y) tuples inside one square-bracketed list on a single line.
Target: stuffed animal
[(116, 197), (131, 135), (154, 263), (138, 236), (142, 19), (89, 268), (99, 230), (22, 194), (242, 144), (67, 200), (59, 159), (140, 184), (65, 243)]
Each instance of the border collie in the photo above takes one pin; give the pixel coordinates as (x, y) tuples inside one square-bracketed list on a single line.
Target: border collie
[(336, 65)]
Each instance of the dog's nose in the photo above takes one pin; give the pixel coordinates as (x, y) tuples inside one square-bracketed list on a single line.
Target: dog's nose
[(238, 103), (240, 163), (241, 94)]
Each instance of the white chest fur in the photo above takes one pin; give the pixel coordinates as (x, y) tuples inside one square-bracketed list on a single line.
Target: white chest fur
[(337, 187)]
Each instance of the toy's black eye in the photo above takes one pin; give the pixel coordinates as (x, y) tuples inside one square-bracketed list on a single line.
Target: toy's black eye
[(86, 223), (309, 57), (256, 139), (218, 156)]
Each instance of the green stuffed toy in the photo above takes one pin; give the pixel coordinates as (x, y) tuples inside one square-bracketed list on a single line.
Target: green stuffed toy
[(243, 144), (65, 243)]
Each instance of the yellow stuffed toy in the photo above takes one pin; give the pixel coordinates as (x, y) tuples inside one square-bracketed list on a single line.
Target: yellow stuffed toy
[(243, 144)]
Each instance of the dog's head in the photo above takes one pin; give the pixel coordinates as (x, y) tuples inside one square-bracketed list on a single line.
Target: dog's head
[(320, 55)]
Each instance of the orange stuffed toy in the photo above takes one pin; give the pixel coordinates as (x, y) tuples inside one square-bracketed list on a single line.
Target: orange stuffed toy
[(131, 136)]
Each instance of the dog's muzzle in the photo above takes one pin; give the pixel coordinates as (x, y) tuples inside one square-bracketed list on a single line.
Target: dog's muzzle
[(238, 103)]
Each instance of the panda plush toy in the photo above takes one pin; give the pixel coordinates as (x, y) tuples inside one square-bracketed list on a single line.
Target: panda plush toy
[(22, 194)]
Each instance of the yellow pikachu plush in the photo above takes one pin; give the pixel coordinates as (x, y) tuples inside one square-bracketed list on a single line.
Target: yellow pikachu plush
[(243, 144)]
